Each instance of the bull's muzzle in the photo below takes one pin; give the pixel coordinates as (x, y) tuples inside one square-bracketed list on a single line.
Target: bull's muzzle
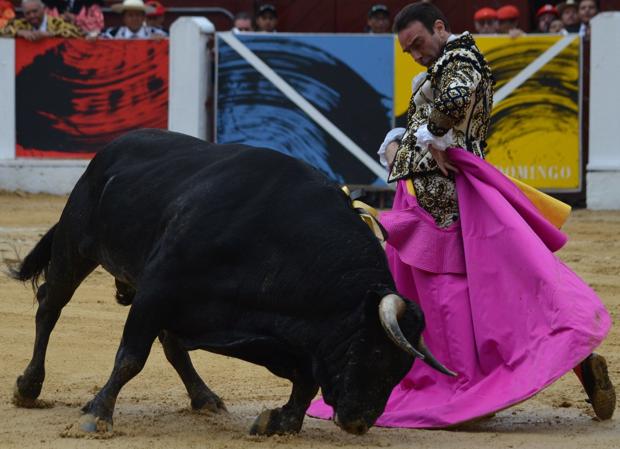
[(356, 427)]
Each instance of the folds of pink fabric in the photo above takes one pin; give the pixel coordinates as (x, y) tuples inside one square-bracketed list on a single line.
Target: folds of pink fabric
[(501, 309)]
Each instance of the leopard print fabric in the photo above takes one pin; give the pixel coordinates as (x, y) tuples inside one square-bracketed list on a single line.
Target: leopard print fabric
[(56, 26)]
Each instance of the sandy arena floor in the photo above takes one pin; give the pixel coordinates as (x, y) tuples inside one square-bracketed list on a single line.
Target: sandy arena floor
[(152, 410)]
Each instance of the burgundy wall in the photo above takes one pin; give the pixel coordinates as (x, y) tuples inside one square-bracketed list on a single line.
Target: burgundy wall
[(343, 16), (349, 16)]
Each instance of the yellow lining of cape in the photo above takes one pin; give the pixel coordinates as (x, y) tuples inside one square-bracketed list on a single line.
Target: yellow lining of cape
[(552, 209), (368, 214)]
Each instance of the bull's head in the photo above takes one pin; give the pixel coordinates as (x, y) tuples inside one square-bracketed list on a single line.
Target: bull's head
[(376, 358)]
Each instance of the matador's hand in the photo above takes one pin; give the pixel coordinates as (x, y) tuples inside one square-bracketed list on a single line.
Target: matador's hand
[(443, 161), (390, 153)]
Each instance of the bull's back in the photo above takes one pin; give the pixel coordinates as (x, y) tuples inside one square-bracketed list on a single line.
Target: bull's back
[(160, 169), (251, 220), (144, 181)]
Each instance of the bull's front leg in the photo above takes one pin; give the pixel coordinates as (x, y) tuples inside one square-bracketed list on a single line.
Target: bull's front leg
[(290, 417), (201, 396)]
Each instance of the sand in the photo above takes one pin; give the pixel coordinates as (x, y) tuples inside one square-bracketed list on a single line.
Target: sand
[(153, 412)]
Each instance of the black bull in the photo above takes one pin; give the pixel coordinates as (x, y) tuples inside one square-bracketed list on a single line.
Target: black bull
[(238, 251)]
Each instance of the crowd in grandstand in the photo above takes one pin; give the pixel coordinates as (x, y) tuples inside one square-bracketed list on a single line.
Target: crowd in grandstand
[(83, 18), (570, 16), (145, 20)]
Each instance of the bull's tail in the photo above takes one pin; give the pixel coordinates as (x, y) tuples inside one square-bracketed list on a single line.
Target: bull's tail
[(36, 262)]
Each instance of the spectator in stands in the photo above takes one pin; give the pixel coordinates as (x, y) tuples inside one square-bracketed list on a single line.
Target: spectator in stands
[(89, 17), (266, 18), (37, 25), (569, 15), (7, 13), (242, 22), (587, 10), (544, 16), (378, 19), (157, 16), (485, 21), (85, 14), (508, 20), (557, 26), (134, 27)]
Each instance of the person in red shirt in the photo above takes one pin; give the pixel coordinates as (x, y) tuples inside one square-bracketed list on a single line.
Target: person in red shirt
[(6, 12)]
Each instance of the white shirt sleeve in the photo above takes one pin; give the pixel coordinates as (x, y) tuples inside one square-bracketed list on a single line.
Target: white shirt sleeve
[(424, 138), (395, 134)]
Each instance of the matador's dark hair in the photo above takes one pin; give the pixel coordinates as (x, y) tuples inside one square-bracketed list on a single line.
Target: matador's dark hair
[(423, 12)]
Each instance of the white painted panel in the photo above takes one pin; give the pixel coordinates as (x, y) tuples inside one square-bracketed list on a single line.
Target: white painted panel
[(604, 92), (41, 175), (189, 75), (7, 98), (603, 171)]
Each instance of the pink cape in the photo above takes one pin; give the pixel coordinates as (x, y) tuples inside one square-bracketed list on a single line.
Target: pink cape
[(501, 309)]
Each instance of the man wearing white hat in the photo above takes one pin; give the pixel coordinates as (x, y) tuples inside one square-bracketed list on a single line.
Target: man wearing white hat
[(134, 27)]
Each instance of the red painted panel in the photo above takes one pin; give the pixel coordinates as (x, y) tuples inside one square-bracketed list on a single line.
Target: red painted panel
[(74, 96)]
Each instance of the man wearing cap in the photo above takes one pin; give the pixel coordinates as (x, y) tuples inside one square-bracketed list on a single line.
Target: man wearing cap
[(37, 25), (134, 15), (157, 16), (378, 19), (569, 16), (544, 16), (7, 13), (485, 21), (508, 20), (266, 18)]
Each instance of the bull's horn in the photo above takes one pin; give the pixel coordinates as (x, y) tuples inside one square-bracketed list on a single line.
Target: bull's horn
[(431, 361), (391, 308)]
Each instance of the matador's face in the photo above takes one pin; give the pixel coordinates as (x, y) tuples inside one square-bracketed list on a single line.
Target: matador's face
[(423, 46)]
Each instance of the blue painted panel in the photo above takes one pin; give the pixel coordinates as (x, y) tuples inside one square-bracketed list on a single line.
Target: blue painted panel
[(349, 79)]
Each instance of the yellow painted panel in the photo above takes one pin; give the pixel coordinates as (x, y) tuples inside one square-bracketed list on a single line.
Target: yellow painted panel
[(535, 133)]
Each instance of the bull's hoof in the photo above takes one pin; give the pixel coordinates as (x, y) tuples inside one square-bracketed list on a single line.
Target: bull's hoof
[(276, 422), (91, 424), (22, 398), (209, 402)]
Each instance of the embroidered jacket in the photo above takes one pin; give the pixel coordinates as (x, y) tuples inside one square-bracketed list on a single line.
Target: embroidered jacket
[(457, 96), (56, 26)]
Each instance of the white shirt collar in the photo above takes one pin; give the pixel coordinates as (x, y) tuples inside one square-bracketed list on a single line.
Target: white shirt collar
[(126, 33)]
